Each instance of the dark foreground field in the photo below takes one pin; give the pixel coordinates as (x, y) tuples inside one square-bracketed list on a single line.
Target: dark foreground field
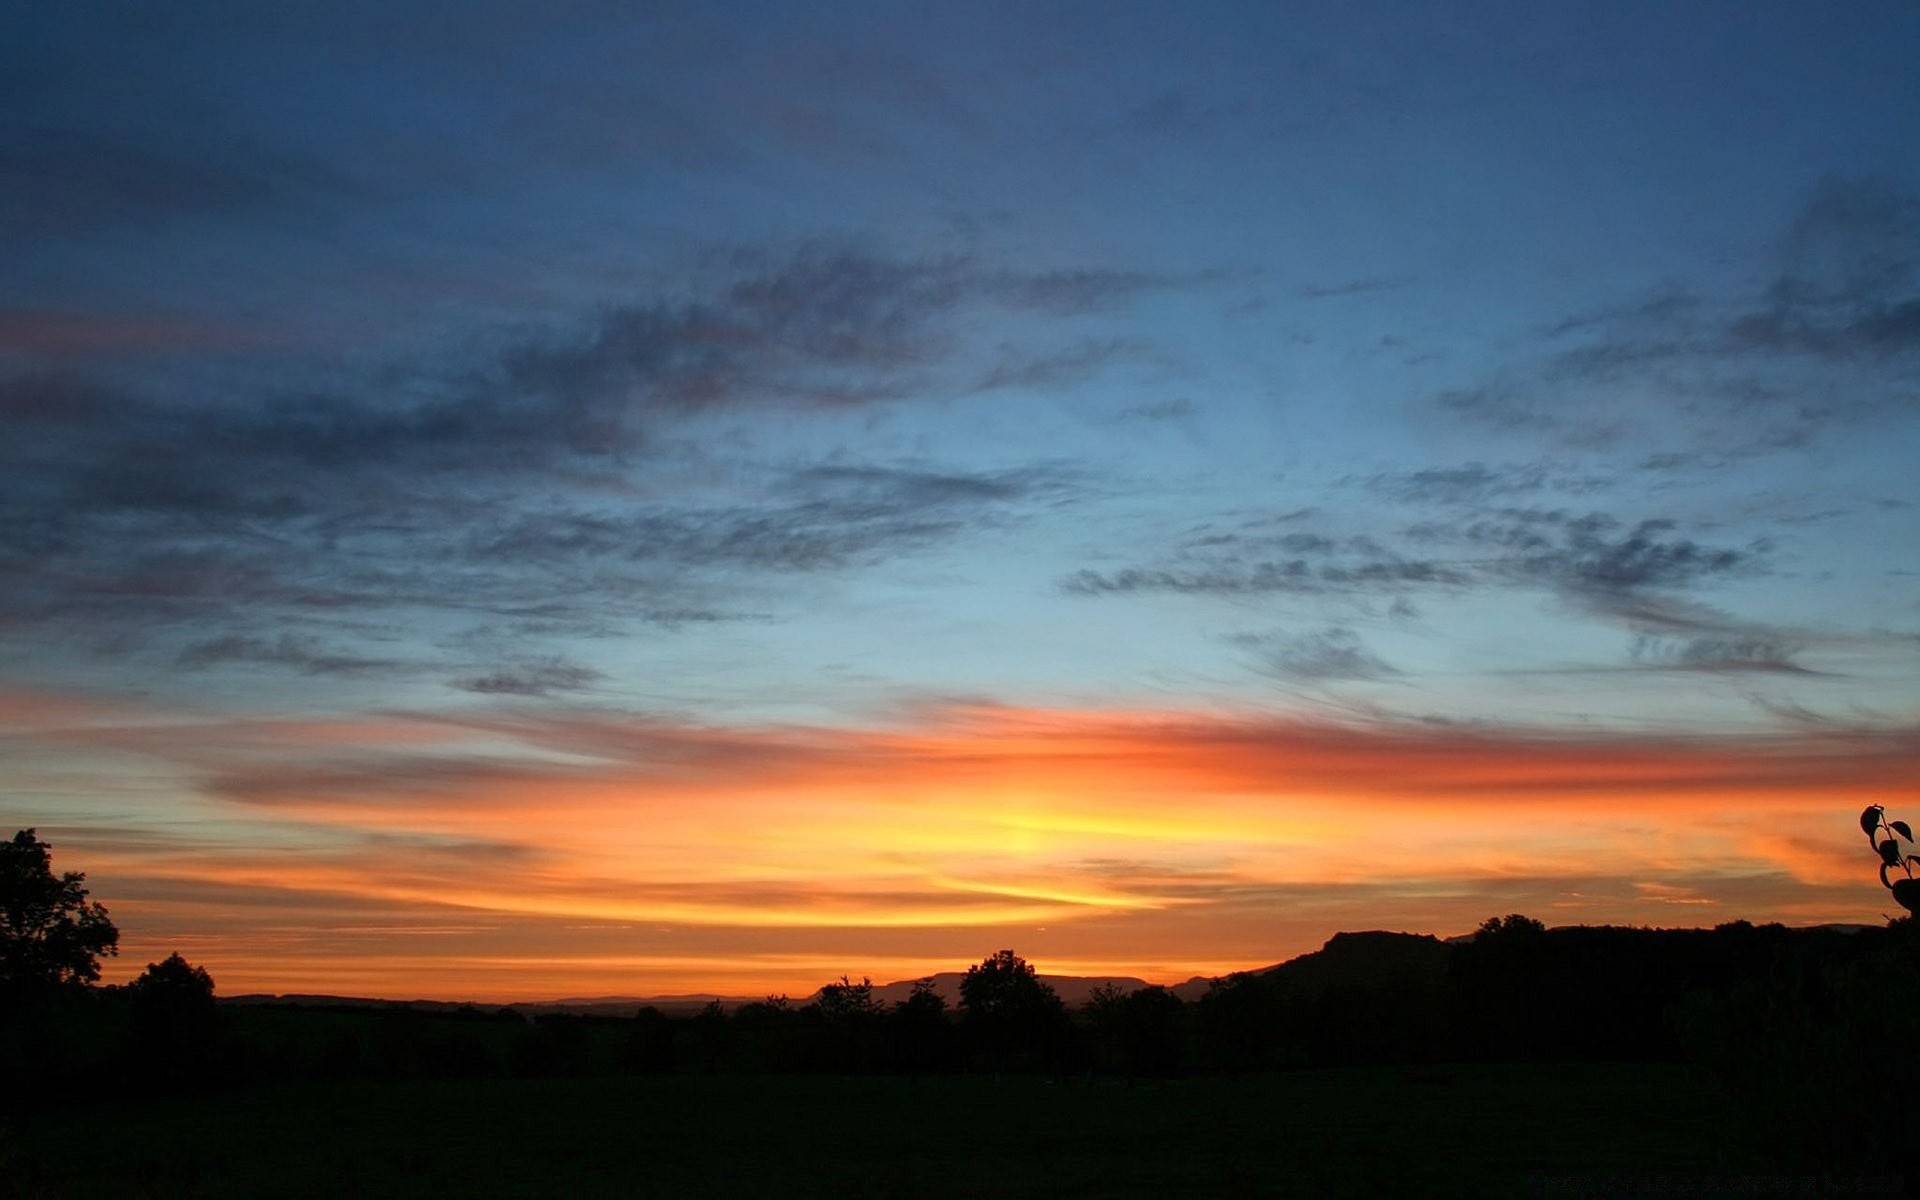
[(1502, 1129)]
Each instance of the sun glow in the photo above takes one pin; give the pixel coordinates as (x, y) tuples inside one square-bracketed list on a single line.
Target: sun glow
[(1204, 843)]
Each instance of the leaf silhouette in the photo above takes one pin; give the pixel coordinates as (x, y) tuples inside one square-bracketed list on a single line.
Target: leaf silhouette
[(1901, 828), (1906, 892), (1870, 819), (1890, 852)]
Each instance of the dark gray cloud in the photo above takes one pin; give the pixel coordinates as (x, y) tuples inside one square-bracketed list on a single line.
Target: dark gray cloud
[(1795, 327), (1477, 482), (356, 576), (1596, 551), (1296, 577), (819, 329), (1730, 653), (1059, 368), (1632, 574), (1735, 373), (815, 518), (1270, 553), (541, 678), (898, 489), (825, 326), (1163, 410), (1664, 306), (131, 507), (1356, 287), (302, 653), (1077, 292), (1326, 655)]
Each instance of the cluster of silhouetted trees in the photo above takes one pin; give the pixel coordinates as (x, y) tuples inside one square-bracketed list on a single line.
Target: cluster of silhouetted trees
[(1790, 1018), (58, 1029)]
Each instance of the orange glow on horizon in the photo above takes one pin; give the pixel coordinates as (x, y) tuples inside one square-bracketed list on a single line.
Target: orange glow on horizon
[(584, 855)]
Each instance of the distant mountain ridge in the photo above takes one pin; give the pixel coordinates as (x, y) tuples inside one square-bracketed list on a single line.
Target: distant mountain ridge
[(1354, 956), (1361, 958)]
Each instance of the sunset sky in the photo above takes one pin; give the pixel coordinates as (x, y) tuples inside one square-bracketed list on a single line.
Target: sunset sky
[(519, 501)]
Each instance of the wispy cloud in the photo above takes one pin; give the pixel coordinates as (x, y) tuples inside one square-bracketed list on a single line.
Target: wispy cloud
[(1593, 557), (1334, 653), (302, 653), (1734, 373), (532, 679), (975, 819)]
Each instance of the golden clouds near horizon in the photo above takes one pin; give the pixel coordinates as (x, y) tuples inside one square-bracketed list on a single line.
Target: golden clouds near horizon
[(306, 858)]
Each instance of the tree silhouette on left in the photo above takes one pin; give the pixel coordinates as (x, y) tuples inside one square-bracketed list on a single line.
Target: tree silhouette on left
[(51, 936)]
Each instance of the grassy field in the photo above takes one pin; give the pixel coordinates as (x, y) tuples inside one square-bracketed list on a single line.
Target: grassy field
[(1470, 1130)]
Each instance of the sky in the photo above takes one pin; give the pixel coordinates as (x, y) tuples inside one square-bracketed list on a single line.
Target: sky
[(518, 501)]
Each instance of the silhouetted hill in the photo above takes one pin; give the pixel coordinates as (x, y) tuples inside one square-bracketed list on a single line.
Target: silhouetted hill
[(1374, 958), (1365, 960)]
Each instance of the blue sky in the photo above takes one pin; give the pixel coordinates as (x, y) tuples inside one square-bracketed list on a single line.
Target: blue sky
[(1537, 371)]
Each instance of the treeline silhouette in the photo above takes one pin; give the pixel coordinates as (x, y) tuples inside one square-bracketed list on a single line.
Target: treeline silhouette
[(1514, 991), (1804, 1026)]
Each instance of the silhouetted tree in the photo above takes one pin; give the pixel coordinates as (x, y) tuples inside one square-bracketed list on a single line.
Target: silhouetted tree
[(852, 1020), (1513, 925), (1004, 985), (1801, 1043), (1014, 1019), (172, 992), (922, 1036), (848, 1001), (1104, 1018), (1240, 1021), (650, 1044), (51, 936), (708, 1035), (773, 1035), (173, 984), (173, 1020), (1135, 1033)]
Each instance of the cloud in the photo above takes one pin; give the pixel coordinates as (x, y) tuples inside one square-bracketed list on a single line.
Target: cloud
[(1477, 482), (1082, 291), (812, 518), (561, 831), (1596, 552), (1608, 568), (1824, 342), (1356, 287), (1334, 653), (1112, 761), (532, 679), (898, 489), (1593, 556), (822, 328), (1751, 652), (1180, 409), (305, 654), (384, 493), (1059, 368), (1664, 306), (1295, 576)]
